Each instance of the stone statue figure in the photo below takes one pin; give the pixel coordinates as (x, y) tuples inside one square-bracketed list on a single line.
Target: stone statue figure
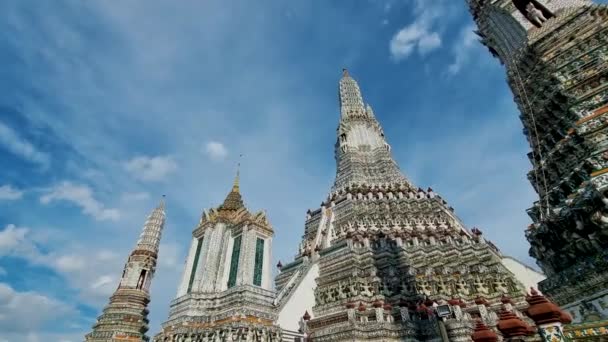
[(365, 290), (353, 290), (500, 286), (535, 15), (342, 291), (319, 298), (463, 287)]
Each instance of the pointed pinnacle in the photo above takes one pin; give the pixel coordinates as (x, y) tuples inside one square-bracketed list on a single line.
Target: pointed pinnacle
[(161, 205), (235, 185)]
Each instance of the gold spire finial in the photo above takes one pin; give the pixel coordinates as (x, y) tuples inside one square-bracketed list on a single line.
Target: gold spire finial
[(234, 201), (345, 72), (235, 185)]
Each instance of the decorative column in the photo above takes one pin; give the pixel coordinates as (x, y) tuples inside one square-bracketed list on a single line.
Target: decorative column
[(304, 326), (388, 311), (483, 334), (404, 311), (350, 311), (547, 316), (458, 328), (512, 327), (379, 310), (361, 310)]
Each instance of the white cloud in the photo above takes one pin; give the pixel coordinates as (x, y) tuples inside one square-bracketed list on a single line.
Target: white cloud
[(102, 281), (462, 49), (70, 263), (28, 311), (216, 150), (135, 196), (21, 147), (11, 238), (429, 42), (41, 336), (413, 36), (7, 192), (105, 255), (170, 256), (421, 35), (82, 196), (81, 267), (151, 168)]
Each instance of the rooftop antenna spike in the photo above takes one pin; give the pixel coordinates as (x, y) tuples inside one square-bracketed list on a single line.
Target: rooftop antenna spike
[(238, 172), (162, 202)]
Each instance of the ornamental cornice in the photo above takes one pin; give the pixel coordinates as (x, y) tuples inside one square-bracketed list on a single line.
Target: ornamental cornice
[(239, 219)]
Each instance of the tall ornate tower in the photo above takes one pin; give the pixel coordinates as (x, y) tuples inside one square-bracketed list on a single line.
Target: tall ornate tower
[(126, 316), (380, 252), (226, 289), (556, 56)]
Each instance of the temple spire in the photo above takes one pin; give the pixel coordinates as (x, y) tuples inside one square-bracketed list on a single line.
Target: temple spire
[(234, 200), (351, 100), (151, 233), (126, 313), (235, 185), (362, 153)]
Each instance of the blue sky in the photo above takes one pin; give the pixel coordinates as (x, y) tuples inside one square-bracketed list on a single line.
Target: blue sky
[(104, 107)]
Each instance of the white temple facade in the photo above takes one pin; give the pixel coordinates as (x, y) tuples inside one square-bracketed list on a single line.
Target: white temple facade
[(376, 260), (226, 292), (379, 254)]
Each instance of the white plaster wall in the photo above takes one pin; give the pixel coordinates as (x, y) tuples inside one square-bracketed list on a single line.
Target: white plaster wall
[(303, 299), (266, 265), (361, 134), (224, 282), (525, 274), (213, 258), (322, 221), (183, 287), (246, 257), (132, 274), (223, 256)]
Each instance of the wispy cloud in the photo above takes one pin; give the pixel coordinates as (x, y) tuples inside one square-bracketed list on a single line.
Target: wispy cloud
[(7, 192), (421, 35), (82, 267), (11, 239), (28, 311), (135, 196), (82, 196), (103, 281), (216, 150), (463, 49), (151, 168), (19, 146), (412, 37)]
